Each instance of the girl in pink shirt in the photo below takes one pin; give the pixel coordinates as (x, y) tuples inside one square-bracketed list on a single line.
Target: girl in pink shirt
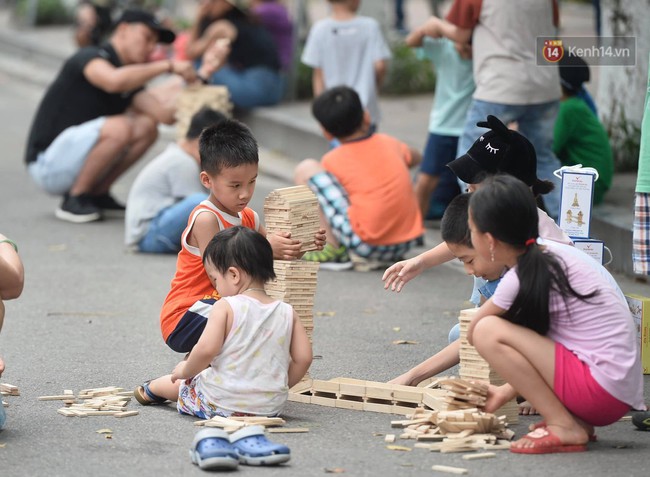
[(556, 332)]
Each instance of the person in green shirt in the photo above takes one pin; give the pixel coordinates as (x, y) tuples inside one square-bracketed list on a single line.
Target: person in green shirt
[(579, 137)]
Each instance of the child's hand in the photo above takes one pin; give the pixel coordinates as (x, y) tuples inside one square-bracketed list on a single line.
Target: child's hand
[(399, 274), (2, 366), (179, 372), (284, 247), (497, 396), (320, 238)]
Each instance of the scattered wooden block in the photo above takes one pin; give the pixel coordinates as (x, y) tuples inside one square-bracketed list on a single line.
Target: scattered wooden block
[(59, 397), (389, 438), (449, 470), (287, 430), (481, 455), (127, 413)]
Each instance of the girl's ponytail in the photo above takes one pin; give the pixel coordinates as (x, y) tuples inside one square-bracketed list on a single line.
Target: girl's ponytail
[(504, 207)]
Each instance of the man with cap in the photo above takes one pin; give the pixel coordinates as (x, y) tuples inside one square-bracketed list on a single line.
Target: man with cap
[(97, 119)]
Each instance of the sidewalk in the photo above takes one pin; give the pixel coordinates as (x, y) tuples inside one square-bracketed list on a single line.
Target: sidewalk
[(289, 131)]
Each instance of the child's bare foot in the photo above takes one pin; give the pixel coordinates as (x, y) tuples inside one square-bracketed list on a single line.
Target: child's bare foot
[(527, 409)]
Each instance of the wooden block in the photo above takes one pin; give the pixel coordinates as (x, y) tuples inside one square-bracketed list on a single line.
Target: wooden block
[(352, 389), (323, 401), (481, 455), (389, 438), (377, 407), (127, 413), (324, 386), (66, 412), (287, 430), (59, 397), (345, 402), (449, 470), (218, 421), (303, 398)]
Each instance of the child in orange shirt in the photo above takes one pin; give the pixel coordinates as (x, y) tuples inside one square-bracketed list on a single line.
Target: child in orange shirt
[(363, 187), (229, 164)]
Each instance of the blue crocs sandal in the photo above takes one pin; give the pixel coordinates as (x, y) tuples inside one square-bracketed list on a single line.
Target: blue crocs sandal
[(211, 450), (255, 449), (146, 397)]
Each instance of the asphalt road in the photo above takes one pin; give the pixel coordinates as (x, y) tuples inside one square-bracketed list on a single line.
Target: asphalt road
[(89, 318)]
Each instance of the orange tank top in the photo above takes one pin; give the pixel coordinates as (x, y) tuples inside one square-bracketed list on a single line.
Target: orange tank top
[(190, 282)]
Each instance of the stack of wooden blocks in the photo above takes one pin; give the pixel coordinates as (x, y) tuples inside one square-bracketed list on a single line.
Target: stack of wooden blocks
[(295, 283), (474, 367), (294, 210), (193, 98)]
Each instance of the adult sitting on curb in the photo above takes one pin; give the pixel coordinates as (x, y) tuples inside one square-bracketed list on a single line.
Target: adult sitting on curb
[(96, 119), (252, 74)]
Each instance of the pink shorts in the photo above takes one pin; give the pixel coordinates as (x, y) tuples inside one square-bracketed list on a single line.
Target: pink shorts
[(581, 394)]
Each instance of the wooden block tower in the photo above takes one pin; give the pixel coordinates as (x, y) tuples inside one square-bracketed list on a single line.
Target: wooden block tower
[(193, 98), (474, 367), (295, 210), (295, 283)]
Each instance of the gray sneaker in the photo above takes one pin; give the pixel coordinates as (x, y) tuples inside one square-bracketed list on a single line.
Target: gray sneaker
[(78, 209)]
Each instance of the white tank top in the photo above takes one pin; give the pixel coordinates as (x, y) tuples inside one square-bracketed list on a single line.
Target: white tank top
[(250, 373)]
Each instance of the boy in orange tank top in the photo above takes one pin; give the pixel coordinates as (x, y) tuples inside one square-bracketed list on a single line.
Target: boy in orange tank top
[(229, 168)]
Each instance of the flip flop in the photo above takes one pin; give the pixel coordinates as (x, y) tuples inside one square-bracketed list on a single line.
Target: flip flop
[(146, 397), (542, 424), (211, 450), (254, 448), (545, 442)]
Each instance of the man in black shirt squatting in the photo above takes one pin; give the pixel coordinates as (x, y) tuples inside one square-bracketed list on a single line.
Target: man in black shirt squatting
[(97, 119)]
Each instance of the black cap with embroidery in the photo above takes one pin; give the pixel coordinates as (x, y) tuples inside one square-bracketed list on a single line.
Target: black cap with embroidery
[(140, 16)]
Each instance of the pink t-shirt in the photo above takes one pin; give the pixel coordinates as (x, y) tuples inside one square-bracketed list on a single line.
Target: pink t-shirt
[(549, 230), (599, 331)]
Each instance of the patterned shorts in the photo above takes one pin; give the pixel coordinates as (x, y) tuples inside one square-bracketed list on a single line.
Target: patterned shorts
[(194, 403), (641, 234), (334, 202)]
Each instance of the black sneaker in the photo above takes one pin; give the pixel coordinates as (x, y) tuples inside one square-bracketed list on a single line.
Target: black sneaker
[(78, 209), (108, 205)]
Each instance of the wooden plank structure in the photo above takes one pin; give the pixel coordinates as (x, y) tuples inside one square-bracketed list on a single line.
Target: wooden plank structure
[(474, 367), (360, 395), (193, 98), (295, 210)]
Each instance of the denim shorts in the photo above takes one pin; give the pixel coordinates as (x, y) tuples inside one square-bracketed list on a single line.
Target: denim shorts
[(334, 202), (56, 169), (439, 151)]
